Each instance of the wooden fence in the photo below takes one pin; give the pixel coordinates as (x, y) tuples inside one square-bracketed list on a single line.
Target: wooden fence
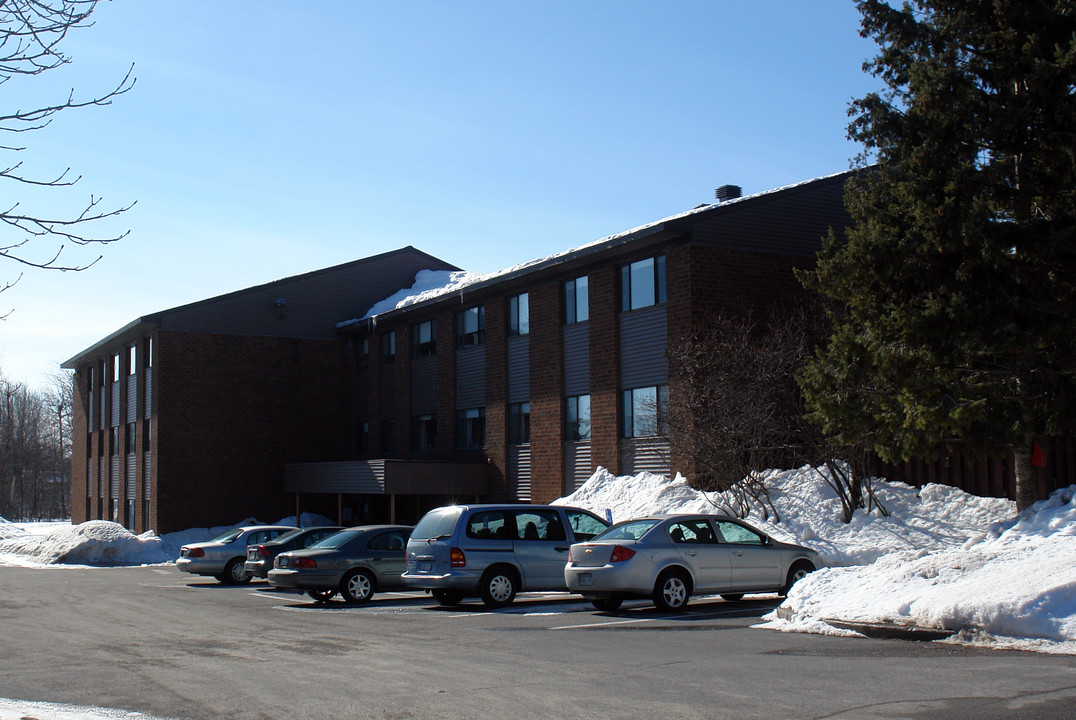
[(989, 477)]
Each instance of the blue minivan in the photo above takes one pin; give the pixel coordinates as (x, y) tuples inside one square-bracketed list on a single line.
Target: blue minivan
[(494, 551)]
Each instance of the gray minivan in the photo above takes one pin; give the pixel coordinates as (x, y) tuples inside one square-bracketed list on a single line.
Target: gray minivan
[(494, 551)]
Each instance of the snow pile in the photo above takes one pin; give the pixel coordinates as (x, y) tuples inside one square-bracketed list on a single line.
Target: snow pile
[(1011, 586), (101, 542), (809, 510)]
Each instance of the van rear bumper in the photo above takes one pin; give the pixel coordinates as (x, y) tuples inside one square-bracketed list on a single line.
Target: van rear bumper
[(462, 580)]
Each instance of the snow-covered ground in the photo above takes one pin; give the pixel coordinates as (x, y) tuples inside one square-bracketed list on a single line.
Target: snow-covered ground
[(941, 559)]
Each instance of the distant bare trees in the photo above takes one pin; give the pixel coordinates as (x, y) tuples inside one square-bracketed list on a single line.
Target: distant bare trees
[(35, 450), (31, 32), (737, 410)]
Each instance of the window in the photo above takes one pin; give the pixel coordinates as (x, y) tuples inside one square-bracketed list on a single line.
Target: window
[(519, 317), (116, 367), (114, 440), (132, 360), (424, 433), (642, 283), (519, 423), (488, 524), (692, 531), (577, 418), (737, 534), (424, 339), (364, 353), (471, 327), (584, 525), (129, 439), (471, 429), (149, 352), (576, 302), (388, 427), (145, 436), (364, 440), (388, 348), (539, 525), (643, 411)]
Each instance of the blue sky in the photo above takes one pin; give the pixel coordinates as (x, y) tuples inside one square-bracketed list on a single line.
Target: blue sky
[(266, 139)]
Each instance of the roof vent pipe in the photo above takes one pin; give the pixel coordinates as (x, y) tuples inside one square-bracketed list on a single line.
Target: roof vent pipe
[(727, 192)]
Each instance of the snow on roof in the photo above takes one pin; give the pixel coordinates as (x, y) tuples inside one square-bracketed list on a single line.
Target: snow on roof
[(430, 284)]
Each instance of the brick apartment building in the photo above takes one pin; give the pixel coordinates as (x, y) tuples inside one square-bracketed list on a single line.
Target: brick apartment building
[(518, 385), (186, 417)]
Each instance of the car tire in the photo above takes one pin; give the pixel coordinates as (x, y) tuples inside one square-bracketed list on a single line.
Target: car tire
[(607, 604), (321, 595), (672, 591), (797, 572), (498, 587), (234, 574), (732, 597), (447, 598), (357, 587)]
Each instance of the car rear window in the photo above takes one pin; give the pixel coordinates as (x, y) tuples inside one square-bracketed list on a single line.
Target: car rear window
[(336, 539), (632, 530), (437, 523), (228, 536)]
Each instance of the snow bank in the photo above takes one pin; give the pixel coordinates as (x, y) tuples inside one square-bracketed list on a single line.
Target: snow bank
[(1013, 585), (810, 512), (101, 542)]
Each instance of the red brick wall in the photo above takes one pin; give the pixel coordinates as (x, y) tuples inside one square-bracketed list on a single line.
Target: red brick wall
[(231, 411), (497, 397), (547, 392), (604, 368)]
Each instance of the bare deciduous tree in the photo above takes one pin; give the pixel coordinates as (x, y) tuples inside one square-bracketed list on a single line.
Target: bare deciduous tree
[(737, 411), (35, 450), (31, 32)]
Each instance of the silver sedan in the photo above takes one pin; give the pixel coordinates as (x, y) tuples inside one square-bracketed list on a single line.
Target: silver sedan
[(223, 557), (670, 557)]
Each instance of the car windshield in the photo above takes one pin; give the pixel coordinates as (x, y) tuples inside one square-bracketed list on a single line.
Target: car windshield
[(437, 523), (336, 539), (228, 536), (631, 530)]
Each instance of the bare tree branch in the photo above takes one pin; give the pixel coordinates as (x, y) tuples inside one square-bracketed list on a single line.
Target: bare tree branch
[(31, 33)]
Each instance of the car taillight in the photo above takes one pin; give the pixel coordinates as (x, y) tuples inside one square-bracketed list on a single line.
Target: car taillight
[(196, 552), (307, 563), (263, 551), (621, 553), (457, 557)]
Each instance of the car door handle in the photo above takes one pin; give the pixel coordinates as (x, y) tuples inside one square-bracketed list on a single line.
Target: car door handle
[(375, 559), (692, 553), (737, 553)]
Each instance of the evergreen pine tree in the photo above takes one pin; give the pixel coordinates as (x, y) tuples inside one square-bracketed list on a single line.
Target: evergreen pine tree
[(958, 280)]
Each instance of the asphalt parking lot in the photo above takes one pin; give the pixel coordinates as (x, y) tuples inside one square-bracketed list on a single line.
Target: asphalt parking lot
[(154, 640)]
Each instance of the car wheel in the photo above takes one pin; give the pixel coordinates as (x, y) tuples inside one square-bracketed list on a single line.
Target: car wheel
[(607, 604), (234, 574), (447, 598), (498, 587), (321, 595), (672, 591), (797, 572), (357, 586), (732, 597)]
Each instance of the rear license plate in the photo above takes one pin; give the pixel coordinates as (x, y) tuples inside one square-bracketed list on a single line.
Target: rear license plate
[(282, 562), (585, 580), (424, 565)]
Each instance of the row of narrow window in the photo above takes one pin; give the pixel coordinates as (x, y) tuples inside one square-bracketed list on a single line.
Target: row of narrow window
[(642, 284), (643, 414)]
